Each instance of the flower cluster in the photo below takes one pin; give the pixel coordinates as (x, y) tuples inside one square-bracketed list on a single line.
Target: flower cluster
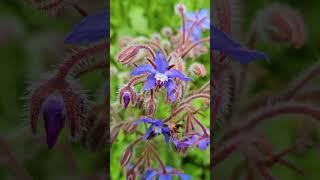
[(160, 64)]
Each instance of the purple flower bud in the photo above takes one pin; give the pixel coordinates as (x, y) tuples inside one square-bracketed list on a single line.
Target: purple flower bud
[(126, 99), (54, 116)]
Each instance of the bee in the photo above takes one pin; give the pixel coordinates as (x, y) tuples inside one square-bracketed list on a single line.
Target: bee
[(174, 129)]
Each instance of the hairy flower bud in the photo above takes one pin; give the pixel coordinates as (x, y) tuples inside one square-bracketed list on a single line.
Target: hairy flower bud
[(198, 69), (180, 9), (280, 23), (126, 156), (128, 54), (126, 95), (151, 106), (140, 101), (54, 116)]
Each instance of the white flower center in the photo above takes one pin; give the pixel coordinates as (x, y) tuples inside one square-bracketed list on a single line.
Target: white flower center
[(161, 77)]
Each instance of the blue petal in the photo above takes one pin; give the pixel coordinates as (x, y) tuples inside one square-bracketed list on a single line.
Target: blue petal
[(170, 88), (203, 144), (165, 177), (196, 33), (90, 29), (143, 69), (246, 56), (150, 83), (150, 174), (147, 120), (220, 41), (145, 137), (166, 137), (173, 73), (205, 23), (161, 62), (185, 177), (188, 141)]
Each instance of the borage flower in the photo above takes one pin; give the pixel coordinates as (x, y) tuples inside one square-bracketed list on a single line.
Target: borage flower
[(170, 172), (160, 75), (201, 141), (157, 127), (92, 28), (221, 42), (196, 22)]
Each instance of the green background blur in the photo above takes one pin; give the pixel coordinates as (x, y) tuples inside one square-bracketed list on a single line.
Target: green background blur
[(133, 18)]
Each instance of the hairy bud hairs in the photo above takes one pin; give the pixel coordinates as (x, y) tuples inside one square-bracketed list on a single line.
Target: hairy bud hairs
[(160, 94)]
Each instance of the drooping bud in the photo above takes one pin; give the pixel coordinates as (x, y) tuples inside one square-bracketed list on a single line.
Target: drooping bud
[(198, 69), (140, 101), (128, 54), (126, 99), (126, 95), (126, 156), (281, 24), (151, 106), (54, 116)]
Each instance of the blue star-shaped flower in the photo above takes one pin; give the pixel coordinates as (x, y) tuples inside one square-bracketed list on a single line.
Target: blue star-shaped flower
[(202, 142), (200, 19), (221, 42), (160, 75), (157, 127), (92, 28), (170, 172)]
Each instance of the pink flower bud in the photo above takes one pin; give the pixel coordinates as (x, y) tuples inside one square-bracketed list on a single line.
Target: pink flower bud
[(198, 69), (126, 156), (151, 106), (128, 54), (281, 23), (180, 9)]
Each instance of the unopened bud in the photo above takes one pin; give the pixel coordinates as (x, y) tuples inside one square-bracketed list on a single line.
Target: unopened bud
[(180, 9), (140, 101), (126, 95), (280, 23), (198, 69), (126, 156), (128, 54), (151, 106)]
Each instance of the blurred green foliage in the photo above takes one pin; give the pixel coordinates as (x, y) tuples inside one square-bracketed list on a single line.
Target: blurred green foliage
[(134, 18)]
